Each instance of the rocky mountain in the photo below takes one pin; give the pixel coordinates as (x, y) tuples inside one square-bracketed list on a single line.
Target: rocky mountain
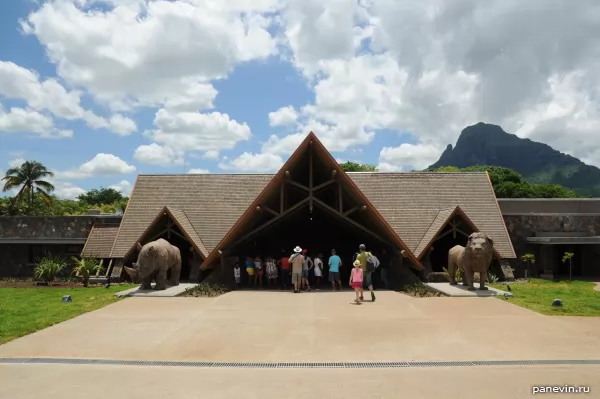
[(486, 144)]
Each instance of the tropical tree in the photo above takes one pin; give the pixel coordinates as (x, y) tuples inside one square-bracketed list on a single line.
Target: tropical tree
[(29, 179), (101, 196), (350, 166), (528, 258), (568, 256)]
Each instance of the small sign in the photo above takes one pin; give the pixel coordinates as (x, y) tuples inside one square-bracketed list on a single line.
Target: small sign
[(67, 298)]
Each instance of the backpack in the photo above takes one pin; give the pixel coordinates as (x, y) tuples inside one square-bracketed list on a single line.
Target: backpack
[(372, 263)]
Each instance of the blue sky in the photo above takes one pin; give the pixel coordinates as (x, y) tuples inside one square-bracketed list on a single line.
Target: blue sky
[(101, 90)]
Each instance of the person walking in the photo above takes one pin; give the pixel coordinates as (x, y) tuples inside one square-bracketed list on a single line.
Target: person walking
[(356, 280), (297, 261), (334, 269), (318, 270), (362, 257), (308, 264)]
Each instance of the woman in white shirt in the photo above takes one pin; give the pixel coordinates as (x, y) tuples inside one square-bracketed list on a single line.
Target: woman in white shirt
[(318, 270)]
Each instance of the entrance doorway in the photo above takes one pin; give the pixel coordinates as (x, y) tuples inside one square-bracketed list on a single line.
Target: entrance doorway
[(319, 232)]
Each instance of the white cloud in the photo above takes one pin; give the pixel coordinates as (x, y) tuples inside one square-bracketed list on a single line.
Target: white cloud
[(408, 157), (17, 162), (20, 120), (124, 187), (66, 190), (194, 131), (198, 171), (192, 43), (101, 165), (49, 95), (248, 162), (432, 68), (284, 116), (155, 154)]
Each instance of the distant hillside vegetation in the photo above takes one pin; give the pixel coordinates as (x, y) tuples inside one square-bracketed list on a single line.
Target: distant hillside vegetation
[(538, 163)]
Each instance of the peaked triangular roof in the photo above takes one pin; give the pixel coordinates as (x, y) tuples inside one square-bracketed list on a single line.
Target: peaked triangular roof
[(183, 224), (310, 140), (441, 220), (100, 241)]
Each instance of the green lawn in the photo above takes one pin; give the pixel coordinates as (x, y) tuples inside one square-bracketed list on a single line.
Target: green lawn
[(578, 297), (25, 310)]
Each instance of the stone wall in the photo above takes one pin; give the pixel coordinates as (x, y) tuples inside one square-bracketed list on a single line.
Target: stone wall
[(522, 226), (17, 258)]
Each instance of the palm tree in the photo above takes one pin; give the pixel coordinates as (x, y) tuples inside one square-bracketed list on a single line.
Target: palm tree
[(29, 177)]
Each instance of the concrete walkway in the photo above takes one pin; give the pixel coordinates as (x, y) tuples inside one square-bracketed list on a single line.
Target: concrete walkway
[(313, 327), (101, 382), (461, 291), (308, 327), (171, 291)]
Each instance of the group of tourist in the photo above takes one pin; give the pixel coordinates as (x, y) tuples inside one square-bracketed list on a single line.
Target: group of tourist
[(300, 270)]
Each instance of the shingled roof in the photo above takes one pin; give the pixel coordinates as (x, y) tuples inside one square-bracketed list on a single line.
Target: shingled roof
[(411, 202), (212, 203), (100, 241), (209, 205)]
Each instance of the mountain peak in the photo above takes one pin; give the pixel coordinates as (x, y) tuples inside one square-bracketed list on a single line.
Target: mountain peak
[(488, 144)]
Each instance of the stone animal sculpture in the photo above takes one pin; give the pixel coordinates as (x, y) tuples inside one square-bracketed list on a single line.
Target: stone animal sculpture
[(476, 257), (154, 260)]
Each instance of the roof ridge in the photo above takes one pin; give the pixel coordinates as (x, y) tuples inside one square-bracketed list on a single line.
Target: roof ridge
[(432, 221)]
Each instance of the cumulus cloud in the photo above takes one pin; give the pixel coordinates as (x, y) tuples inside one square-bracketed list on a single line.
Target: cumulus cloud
[(407, 157), (101, 165), (196, 171), (376, 67), (195, 131), (124, 187), (284, 116), (471, 61), (27, 121), (156, 154), (18, 83), (248, 162), (192, 43)]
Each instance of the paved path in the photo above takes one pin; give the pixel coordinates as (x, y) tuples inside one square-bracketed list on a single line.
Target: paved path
[(101, 382), (313, 327), (308, 327), (597, 287)]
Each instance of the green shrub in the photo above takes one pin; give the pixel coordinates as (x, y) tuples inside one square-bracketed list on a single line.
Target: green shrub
[(85, 267), (206, 289), (458, 274), (48, 268)]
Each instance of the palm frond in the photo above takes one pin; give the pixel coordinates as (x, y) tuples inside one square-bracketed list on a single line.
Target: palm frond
[(46, 186), (45, 196)]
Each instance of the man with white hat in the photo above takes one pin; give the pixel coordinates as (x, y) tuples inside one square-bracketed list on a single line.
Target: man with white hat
[(297, 262)]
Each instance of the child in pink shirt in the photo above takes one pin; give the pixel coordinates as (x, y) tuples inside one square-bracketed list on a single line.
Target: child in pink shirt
[(356, 279)]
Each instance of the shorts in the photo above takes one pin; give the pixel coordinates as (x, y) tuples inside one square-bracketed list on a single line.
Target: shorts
[(237, 279), (356, 284), (250, 272), (260, 273), (367, 280), (334, 276), (285, 276), (304, 273), (317, 272), (296, 277)]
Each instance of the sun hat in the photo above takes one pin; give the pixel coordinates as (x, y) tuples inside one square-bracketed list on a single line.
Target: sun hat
[(356, 263), (297, 250)]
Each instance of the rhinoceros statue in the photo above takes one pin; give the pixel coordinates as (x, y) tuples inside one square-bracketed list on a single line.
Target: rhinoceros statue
[(154, 260)]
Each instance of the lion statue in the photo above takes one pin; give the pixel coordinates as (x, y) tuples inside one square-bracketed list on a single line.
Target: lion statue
[(154, 260), (476, 257)]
